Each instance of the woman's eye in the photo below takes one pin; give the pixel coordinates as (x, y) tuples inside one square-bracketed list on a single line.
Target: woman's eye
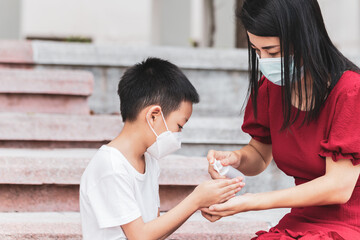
[(273, 54)]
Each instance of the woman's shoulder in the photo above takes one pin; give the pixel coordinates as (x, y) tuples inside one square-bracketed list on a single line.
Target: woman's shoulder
[(346, 92), (348, 83)]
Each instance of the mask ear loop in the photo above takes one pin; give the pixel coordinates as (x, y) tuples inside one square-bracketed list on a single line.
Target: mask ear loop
[(151, 128), (164, 121)]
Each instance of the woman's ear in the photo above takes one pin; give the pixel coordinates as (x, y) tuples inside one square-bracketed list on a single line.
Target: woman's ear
[(153, 113)]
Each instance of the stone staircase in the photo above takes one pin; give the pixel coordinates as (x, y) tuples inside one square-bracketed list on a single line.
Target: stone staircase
[(53, 117), (45, 91)]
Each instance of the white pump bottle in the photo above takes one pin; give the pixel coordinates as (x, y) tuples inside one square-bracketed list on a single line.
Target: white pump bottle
[(227, 171)]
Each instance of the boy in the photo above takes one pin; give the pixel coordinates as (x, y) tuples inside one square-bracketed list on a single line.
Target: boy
[(119, 191)]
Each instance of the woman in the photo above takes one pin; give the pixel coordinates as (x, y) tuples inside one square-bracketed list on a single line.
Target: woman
[(304, 113)]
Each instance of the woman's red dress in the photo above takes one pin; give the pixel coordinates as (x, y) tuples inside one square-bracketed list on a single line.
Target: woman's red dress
[(300, 152)]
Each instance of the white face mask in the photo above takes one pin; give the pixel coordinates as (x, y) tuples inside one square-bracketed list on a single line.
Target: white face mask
[(271, 69), (166, 143)]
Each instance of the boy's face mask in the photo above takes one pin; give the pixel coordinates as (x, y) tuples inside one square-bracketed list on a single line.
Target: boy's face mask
[(166, 143), (271, 69)]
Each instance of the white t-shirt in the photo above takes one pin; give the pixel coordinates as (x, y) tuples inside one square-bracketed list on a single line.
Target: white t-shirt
[(113, 193)]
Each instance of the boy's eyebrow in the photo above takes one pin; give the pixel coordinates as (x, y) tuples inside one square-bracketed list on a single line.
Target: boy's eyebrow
[(265, 48)]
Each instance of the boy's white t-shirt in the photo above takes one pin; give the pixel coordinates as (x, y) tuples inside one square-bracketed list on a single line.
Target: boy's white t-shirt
[(114, 193)]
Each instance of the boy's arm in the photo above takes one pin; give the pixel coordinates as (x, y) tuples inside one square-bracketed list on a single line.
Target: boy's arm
[(163, 238), (163, 226)]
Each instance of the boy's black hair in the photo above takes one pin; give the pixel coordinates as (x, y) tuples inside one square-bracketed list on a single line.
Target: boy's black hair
[(154, 81)]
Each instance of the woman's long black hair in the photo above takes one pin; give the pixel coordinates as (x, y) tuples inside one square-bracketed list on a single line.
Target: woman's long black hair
[(301, 29)]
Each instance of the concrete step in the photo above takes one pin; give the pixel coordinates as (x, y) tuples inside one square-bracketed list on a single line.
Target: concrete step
[(67, 225), (41, 226), (219, 75), (16, 52), (65, 167), (60, 130), (48, 180), (45, 91)]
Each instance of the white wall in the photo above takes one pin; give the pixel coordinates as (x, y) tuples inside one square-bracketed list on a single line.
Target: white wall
[(224, 36), (342, 20), (225, 23), (158, 22), (10, 15), (171, 22), (120, 21), (135, 22)]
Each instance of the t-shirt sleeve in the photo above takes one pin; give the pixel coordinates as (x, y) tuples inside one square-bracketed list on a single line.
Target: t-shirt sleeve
[(258, 128), (113, 201), (343, 140)]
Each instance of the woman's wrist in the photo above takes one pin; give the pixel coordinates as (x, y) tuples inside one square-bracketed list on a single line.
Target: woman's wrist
[(237, 155), (255, 202), (261, 201)]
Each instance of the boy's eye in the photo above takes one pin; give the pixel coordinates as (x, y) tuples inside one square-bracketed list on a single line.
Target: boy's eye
[(180, 127)]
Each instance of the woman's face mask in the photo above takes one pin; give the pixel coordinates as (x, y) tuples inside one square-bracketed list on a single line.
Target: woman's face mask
[(271, 69), (166, 143)]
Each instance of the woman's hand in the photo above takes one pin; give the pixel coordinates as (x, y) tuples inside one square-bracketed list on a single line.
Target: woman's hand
[(232, 206), (211, 218), (226, 158), (216, 191)]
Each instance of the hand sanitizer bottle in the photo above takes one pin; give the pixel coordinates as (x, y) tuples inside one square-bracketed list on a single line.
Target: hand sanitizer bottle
[(227, 171)]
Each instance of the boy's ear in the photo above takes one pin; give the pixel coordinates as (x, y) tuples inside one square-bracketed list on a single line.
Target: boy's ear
[(153, 113)]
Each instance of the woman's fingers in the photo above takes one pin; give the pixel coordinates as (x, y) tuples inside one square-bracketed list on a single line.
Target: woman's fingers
[(217, 214), (218, 155), (226, 158), (231, 159), (211, 156), (211, 159), (210, 217), (205, 215), (222, 207), (206, 210), (213, 173), (225, 162)]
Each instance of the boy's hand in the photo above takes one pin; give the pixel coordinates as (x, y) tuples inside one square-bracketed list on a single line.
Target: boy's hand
[(226, 157), (216, 191)]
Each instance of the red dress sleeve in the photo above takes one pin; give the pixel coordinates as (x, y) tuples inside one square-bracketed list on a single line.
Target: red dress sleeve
[(259, 128), (343, 141)]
